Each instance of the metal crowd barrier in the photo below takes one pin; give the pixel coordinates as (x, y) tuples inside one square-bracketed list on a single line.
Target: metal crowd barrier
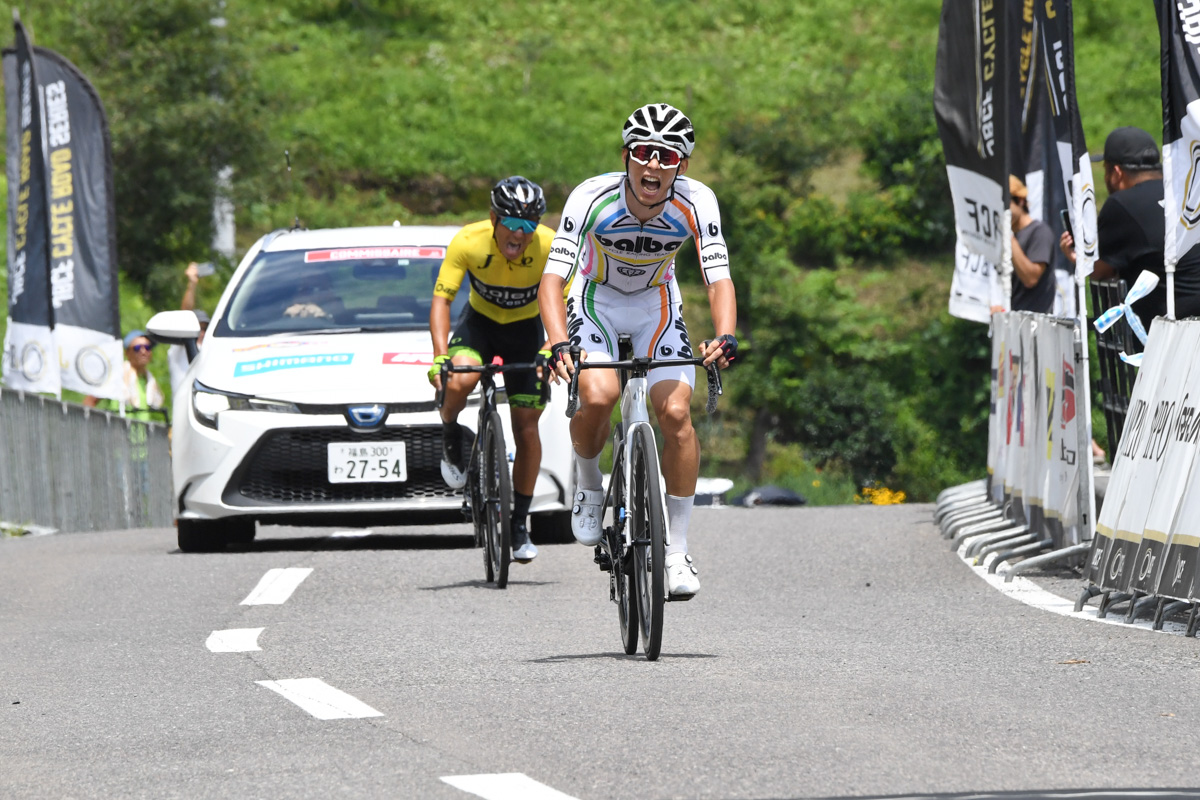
[(71, 468), (1116, 377)]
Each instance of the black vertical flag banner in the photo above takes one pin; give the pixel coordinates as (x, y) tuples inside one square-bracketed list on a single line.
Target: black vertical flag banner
[(1057, 53), (971, 105), (1179, 24), (83, 258), (1035, 156), (30, 360)]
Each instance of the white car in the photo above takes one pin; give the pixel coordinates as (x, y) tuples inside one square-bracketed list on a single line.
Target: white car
[(316, 356)]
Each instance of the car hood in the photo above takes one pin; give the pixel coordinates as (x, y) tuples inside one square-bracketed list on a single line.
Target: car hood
[(341, 368)]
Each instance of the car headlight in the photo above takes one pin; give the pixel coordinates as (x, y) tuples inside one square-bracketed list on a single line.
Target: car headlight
[(208, 403)]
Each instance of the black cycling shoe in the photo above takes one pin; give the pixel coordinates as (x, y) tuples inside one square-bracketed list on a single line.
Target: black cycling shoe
[(523, 550)]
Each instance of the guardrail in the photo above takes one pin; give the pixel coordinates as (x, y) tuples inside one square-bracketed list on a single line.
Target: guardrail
[(71, 468), (1116, 376)]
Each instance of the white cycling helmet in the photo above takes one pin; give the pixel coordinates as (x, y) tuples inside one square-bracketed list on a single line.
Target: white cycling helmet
[(662, 123)]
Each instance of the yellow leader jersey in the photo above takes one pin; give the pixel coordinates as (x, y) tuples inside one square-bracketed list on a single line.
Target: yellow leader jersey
[(503, 291)]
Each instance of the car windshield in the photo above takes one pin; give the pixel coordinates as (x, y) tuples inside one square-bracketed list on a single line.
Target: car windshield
[(336, 290)]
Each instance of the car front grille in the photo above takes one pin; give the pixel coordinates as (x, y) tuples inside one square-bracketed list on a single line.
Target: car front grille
[(291, 466)]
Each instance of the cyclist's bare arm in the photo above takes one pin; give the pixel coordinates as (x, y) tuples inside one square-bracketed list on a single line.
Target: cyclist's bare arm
[(554, 318), (439, 331), (722, 302), (439, 325)]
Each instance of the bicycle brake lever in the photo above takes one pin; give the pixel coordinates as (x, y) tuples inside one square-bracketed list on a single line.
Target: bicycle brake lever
[(573, 394), (573, 386), (440, 396), (714, 387)]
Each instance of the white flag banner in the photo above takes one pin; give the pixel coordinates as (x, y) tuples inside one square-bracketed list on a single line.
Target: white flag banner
[(1176, 459), (1159, 352), (1159, 421), (974, 55)]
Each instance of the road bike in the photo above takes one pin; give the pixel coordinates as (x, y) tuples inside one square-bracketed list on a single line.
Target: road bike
[(632, 549), (487, 501)]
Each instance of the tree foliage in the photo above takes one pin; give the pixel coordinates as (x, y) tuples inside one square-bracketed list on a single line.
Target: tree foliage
[(814, 126), (181, 105)]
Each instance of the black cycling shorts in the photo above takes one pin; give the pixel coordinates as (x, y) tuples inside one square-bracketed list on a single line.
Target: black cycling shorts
[(515, 342)]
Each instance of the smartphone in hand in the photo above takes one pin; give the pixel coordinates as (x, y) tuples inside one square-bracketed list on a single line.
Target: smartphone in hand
[(206, 268), (1066, 221)]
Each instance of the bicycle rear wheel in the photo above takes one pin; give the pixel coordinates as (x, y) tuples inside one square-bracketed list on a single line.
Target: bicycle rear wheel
[(497, 499), (647, 519), (624, 586)]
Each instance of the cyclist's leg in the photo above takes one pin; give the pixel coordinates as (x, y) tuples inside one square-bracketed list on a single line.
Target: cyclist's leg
[(599, 391), (468, 346), (518, 343), (671, 395), (671, 392)]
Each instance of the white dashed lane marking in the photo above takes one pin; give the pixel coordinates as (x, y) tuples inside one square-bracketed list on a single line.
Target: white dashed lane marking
[(355, 534), (506, 786), (235, 640), (277, 586), (320, 699)]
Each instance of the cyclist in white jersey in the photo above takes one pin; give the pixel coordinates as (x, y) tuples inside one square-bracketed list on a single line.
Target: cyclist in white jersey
[(618, 238)]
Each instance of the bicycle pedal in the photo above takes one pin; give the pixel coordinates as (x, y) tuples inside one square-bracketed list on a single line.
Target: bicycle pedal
[(679, 598)]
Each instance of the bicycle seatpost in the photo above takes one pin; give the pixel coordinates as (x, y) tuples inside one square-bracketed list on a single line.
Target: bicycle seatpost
[(573, 388)]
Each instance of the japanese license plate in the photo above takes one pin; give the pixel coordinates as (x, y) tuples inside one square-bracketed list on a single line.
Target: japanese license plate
[(373, 462)]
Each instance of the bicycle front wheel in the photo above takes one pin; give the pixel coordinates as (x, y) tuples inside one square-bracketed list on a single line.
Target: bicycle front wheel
[(648, 539), (623, 583), (497, 499)]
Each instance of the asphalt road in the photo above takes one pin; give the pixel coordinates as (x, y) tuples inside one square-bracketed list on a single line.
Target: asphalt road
[(831, 652)]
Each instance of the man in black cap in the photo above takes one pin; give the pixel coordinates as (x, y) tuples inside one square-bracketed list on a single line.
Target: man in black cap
[(1131, 226)]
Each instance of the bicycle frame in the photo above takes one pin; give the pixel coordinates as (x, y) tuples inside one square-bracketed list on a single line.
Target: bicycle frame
[(634, 414), (635, 566), (488, 491), (634, 373)]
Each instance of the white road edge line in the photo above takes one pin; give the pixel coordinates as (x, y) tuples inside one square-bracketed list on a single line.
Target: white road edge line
[(277, 586), (1029, 593), (505, 786), (320, 699), (234, 640)]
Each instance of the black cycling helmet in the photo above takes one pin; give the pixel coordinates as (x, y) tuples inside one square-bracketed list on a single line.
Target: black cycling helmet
[(518, 197), (662, 123)]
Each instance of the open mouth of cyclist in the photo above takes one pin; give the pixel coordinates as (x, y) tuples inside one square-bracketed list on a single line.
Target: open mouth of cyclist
[(651, 186), (512, 247)]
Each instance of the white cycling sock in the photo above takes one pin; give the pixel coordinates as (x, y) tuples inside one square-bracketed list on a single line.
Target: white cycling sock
[(589, 474), (679, 514)]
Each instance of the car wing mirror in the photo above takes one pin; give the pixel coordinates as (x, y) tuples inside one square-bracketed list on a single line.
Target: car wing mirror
[(175, 327)]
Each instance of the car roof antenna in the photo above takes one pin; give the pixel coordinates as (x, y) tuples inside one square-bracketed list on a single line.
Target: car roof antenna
[(287, 157)]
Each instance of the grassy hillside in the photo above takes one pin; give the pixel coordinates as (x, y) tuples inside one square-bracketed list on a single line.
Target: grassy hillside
[(814, 125)]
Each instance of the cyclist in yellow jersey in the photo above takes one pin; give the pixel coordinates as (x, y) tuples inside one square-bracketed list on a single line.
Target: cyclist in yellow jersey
[(503, 258)]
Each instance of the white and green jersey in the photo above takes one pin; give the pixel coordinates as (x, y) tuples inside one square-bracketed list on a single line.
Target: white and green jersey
[(599, 237)]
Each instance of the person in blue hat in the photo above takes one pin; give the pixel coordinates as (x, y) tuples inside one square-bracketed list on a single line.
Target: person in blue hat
[(141, 393)]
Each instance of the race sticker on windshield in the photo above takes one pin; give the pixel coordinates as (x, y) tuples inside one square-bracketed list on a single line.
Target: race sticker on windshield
[(244, 368), (360, 253)]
